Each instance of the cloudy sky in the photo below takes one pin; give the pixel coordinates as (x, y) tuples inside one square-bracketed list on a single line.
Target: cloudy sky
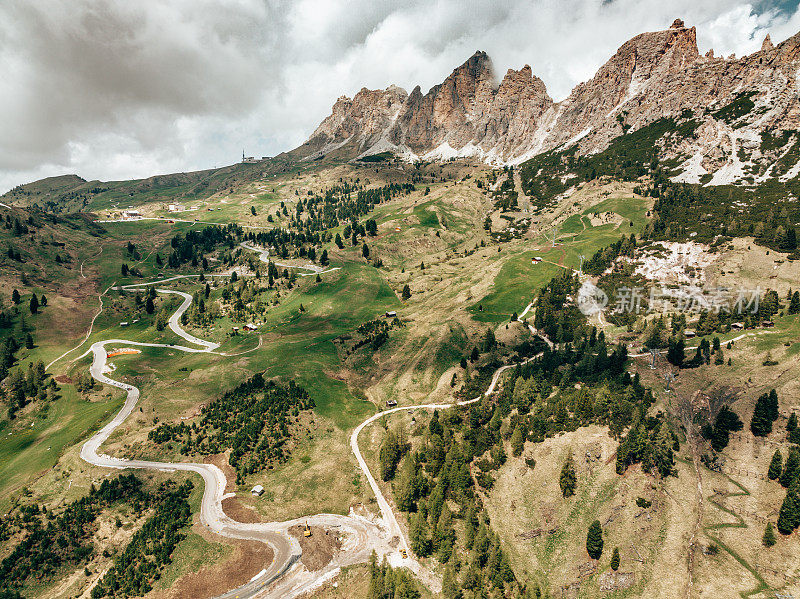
[(117, 89)]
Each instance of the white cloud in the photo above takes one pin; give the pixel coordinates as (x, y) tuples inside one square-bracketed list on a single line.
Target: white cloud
[(112, 89)]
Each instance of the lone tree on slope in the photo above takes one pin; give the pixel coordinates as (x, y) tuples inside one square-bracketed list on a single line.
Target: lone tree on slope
[(615, 559), (594, 540), (568, 478)]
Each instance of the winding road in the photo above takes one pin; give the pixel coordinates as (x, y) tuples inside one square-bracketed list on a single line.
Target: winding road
[(283, 577), (362, 535), (263, 255)]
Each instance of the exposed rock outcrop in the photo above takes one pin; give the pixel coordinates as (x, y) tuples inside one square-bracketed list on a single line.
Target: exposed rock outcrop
[(655, 75)]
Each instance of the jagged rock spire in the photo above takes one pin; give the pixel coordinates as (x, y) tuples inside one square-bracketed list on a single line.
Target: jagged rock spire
[(655, 75)]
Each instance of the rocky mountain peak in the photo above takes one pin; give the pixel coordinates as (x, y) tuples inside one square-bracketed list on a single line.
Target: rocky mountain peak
[(656, 75)]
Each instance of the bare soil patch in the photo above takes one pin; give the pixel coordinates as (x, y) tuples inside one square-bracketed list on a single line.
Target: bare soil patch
[(319, 548), (239, 511), (221, 461), (249, 558)]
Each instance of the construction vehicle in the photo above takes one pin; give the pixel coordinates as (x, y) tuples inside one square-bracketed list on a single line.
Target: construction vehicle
[(403, 554), (307, 530)]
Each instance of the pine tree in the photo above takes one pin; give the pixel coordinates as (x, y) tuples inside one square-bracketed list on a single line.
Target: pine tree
[(792, 424), (517, 441), (405, 492), (791, 467), (390, 453), (419, 535), (775, 466), (149, 307), (615, 559), (772, 406), (15, 296), (761, 423), (406, 292), (28, 341), (489, 340), (768, 540), (34, 304), (794, 303), (662, 452), (789, 514), (445, 535), (790, 239), (470, 526), (594, 540), (676, 352), (568, 479), (450, 587)]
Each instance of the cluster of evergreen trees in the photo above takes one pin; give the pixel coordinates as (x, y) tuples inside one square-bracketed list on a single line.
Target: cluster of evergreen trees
[(386, 582), (765, 413), (435, 487), (789, 477), (555, 317), (726, 422), (343, 203), (394, 447), (786, 473), (681, 207), (288, 243), (16, 226), (603, 258), (544, 390), (505, 196), (253, 420), (24, 385), (51, 540), (373, 333), (193, 247), (151, 547), (651, 442)]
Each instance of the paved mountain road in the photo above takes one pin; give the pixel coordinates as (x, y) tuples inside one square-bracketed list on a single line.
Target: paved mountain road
[(283, 577)]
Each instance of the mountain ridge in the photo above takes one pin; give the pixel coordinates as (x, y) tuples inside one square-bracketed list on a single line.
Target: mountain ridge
[(652, 76)]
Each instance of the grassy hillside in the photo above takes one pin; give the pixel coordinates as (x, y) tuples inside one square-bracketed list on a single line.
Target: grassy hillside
[(452, 256)]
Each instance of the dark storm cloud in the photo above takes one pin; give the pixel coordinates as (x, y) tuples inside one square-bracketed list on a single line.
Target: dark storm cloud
[(79, 67), (113, 89)]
